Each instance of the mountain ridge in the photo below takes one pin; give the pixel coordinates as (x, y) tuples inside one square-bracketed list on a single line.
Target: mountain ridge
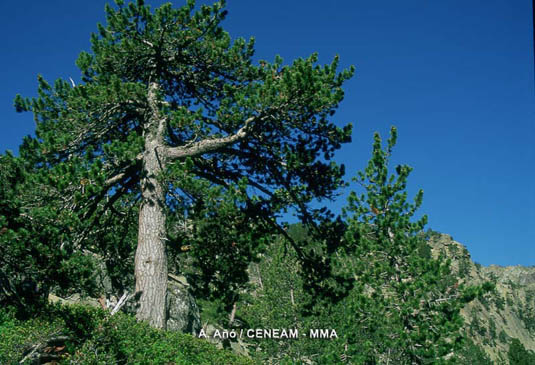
[(497, 318)]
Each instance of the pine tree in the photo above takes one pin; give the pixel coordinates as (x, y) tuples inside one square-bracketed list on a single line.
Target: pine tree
[(405, 305), (173, 122), (30, 262)]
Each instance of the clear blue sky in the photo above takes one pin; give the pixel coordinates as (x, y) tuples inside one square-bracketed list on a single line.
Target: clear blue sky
[(455, 77)]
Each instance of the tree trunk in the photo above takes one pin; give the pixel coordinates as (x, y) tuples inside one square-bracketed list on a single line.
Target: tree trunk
[(151, 259)]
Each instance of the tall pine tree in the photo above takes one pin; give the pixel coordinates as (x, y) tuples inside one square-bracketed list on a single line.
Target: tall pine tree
[(173, 119), (405, 305)]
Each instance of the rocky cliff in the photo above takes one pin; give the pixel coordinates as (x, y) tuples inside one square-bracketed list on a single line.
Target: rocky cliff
[(497, 318)]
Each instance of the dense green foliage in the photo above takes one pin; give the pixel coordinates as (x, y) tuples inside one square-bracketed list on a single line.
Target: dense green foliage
[(235, 142), (17, 335), (471, 354), (277, 300), (96, 338), (404, 305), (32, 230), (518, 355), (408, 305)]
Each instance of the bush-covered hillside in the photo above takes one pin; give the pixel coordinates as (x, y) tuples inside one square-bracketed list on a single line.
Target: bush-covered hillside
[(74, 334)]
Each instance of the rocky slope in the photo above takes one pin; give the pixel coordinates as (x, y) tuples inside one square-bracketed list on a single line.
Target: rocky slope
[(508, 313)]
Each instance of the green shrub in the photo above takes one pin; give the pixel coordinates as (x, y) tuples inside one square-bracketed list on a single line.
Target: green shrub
[(98, 338), (518, 355), (16, 335), (471, 354), (135, 342)]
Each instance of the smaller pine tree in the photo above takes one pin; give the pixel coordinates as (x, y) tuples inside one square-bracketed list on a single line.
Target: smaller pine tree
[(405, 305), (32, 227)]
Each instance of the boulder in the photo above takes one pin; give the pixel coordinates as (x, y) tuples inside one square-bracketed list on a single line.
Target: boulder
[(182, 310)]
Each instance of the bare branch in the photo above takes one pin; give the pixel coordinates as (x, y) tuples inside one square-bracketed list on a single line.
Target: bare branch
[(112, 180), (208, 145), (232, 314), (121, 302), (147, 43)]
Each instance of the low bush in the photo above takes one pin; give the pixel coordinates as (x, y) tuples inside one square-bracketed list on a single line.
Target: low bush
[(92, 336)]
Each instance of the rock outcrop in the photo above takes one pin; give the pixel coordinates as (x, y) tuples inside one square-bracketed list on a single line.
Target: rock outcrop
[(494, 320), (182, 311)]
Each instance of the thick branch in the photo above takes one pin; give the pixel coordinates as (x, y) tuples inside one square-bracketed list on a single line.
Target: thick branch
[(208, 145), (112, 180)]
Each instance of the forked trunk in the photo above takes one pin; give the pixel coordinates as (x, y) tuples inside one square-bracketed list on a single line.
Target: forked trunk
[(151, 259)]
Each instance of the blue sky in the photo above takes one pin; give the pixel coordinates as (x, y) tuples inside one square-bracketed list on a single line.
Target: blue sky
[(455, 77)]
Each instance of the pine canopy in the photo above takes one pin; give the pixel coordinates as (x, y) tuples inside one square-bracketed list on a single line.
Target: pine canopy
[(173, 116)]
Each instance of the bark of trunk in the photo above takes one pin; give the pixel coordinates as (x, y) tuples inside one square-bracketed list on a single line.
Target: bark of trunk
[(151, 258)]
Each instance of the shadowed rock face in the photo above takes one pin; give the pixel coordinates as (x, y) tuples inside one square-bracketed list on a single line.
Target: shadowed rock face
[(182, 311), (496, 319)]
